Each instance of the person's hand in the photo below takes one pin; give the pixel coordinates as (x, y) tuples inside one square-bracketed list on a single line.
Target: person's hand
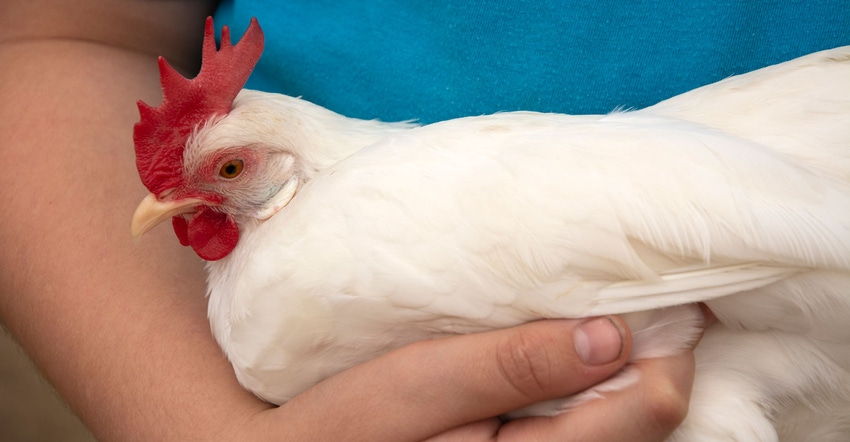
[(451, 389)]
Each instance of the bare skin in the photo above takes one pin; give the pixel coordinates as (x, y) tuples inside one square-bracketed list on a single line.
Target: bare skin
[(121, 330)]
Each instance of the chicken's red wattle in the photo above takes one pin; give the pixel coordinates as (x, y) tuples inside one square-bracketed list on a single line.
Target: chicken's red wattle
[(212, 235)]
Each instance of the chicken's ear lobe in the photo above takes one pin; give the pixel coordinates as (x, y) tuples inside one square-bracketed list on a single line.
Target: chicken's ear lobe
[(162, 132), (279, 200)]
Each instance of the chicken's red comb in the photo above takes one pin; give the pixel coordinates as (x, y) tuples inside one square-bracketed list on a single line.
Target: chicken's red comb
[(161, 133)]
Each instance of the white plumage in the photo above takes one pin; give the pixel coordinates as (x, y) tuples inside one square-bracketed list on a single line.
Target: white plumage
[(736, 194)]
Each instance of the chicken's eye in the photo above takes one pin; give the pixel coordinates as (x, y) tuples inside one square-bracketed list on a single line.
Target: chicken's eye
[(231, 169)]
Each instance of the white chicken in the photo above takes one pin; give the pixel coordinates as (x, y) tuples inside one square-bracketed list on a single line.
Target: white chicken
[(331, 240)]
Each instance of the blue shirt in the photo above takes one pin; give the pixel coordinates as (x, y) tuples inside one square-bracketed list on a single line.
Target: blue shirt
[(439, 59)]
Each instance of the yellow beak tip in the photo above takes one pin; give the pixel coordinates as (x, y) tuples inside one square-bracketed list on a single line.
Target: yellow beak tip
[(152, 212)]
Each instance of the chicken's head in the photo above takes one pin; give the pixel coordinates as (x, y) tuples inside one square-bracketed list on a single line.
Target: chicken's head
[(199, 201)]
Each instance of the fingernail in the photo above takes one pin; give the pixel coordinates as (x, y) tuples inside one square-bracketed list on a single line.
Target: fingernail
[(598, 341)]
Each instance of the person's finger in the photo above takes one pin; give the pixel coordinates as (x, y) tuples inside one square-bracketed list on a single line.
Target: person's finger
[(649, 410), (431, 386), (479, 431)]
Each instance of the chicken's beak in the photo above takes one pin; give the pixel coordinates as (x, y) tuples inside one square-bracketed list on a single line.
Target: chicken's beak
[(152, 211)]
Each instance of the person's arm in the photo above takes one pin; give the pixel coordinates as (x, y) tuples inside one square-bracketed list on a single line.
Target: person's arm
[(121, 329), (118, 328)]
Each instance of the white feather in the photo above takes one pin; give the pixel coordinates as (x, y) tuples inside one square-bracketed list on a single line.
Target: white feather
[(736, 194)]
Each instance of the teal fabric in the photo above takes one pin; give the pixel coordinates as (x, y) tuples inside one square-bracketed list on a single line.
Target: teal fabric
[(438, 59)]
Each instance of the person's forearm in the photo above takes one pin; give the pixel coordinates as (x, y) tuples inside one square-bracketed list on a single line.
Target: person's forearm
[(113, 325)]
